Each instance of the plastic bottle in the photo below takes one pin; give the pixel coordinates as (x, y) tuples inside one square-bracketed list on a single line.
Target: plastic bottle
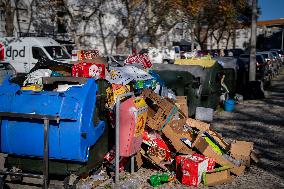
[(159, 179)]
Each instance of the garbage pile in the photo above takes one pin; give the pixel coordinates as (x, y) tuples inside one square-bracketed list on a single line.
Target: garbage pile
[(155, 127)]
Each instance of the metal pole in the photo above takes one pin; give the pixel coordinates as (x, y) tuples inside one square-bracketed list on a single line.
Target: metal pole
[(132, 165), (282, 39), (46, 149), (117, 133), (252, 66)]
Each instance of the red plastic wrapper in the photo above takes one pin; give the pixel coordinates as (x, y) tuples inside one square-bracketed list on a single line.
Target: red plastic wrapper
[(88, 70), (140, 59), (190, 168), (110, 157), (88, 54), (157, 145)]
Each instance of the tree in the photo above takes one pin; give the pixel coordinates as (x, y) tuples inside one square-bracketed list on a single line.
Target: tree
[(213, 17), (162, 14), (9, 17)]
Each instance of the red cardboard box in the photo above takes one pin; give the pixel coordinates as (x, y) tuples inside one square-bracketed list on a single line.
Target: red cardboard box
[(191, 167), (157, 146), (88, 69)]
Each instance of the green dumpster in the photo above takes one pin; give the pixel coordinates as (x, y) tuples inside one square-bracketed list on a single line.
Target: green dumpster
[(199, 82)]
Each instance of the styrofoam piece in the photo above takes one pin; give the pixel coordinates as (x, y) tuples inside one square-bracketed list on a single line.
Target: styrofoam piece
[(204, 114)]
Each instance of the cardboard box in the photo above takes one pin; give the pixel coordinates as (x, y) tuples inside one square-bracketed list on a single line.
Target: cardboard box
[(241, 150), (186, 151), (198, 124), (174, 132), (216, 177), (160, 111), (154, 160), (207, 150), (156, 146), (238, 170), (181, 103), (218, 138), (189, 168), (192, 169), (139, 160)]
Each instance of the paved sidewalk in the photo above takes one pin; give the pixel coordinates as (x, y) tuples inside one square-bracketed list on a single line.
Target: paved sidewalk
[(262, 122)]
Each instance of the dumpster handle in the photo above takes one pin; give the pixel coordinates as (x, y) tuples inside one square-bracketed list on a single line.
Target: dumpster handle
[(117, 135), (46, 119)]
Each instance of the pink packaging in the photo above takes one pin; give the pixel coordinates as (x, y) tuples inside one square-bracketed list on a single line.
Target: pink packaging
[(133, 115)]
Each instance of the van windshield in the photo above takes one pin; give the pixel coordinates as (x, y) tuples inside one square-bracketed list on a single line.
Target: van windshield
[(57, 52)]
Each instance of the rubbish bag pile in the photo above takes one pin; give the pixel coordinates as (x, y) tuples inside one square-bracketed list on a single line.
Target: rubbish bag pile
[(155, 127)]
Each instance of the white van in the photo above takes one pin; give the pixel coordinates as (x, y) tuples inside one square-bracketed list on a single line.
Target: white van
[(24, 52)]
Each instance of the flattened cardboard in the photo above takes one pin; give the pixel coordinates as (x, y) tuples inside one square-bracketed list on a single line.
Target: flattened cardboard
[(201, 144), (181, 103), (202, 126), (160, 110), (138, 159), (238, 170), (155, 161), (186, 151), (241, 150), (216, 178), (174, 132), (219, 139)]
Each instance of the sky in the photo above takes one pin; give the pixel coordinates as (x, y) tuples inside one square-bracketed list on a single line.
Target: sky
[(271, 9)]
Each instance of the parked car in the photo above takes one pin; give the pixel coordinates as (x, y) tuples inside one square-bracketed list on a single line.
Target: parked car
[(6, 70), (277, 58), (262, 69), (280, 52), (269, 58)]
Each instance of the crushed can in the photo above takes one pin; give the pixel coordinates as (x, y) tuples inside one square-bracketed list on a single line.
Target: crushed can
[(133, 115)]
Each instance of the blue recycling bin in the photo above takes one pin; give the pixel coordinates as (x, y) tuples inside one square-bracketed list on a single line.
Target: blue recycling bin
[(70, 139)]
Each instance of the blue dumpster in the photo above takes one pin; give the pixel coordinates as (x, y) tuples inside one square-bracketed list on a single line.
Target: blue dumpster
[(70, 139)]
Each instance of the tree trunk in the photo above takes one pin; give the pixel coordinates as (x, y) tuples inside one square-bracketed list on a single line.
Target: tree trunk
[(253, 42), (192, 36), (9, 19), (31, 16), (18, 16), (131, 32), (228, 38), (102, 34), (234, 37)]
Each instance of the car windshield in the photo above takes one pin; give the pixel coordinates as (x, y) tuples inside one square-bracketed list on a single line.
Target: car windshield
[(279, 51), (259, 59), (57, 52), (120, 58), (265, 55), (274, 54)]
